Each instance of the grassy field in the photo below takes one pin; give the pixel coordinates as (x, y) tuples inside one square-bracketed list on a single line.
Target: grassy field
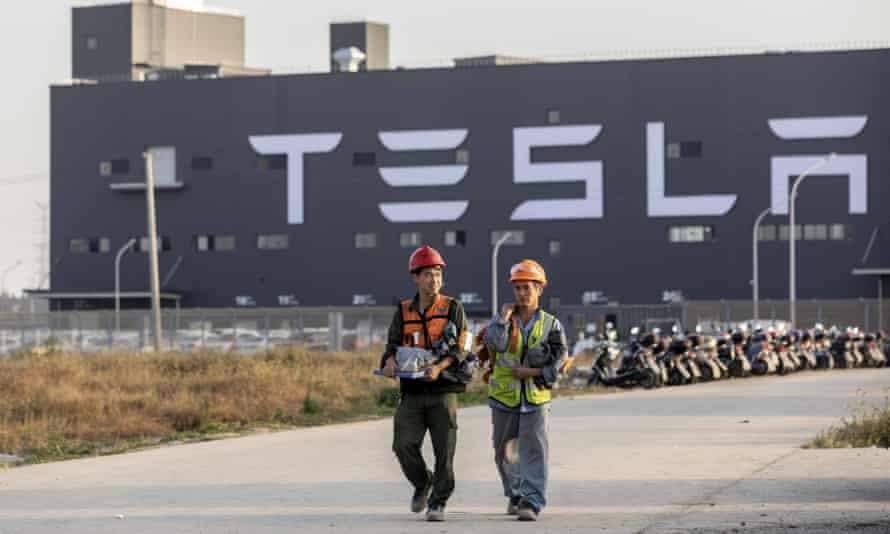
[(868, 426), (57, 406)]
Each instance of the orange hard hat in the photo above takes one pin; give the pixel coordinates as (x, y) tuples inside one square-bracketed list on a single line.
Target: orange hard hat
[(529, 270), (425, 257)]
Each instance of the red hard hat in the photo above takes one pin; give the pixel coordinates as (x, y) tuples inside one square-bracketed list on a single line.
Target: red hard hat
[(425, 257)]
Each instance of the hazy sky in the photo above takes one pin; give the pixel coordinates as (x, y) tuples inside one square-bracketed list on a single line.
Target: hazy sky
[(292, 35)]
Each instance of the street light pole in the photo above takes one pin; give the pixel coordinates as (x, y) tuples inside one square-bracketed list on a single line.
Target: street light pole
[(6, 272), (792, 238), (755, 278), (153, 250), (117, 285), (494, 272)]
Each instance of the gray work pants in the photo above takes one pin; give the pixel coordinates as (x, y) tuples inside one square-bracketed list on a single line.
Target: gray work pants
[(526, 479)]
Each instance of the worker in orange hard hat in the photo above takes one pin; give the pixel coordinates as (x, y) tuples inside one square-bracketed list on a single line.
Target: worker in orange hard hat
[(429, 320), (528, 351)]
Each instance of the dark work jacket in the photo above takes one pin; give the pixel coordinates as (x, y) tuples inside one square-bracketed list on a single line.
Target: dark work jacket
[(394, 340)]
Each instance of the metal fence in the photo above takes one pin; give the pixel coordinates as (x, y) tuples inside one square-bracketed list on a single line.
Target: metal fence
[(243, 330), (357, 328)]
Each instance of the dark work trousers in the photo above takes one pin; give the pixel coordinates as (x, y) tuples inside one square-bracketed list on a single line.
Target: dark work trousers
[(417, 413)]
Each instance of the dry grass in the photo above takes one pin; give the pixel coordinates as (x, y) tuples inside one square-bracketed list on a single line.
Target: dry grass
[(71, 402), (869, 426)]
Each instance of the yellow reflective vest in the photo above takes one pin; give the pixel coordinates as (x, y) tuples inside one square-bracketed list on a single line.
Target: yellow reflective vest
[(503, 387)]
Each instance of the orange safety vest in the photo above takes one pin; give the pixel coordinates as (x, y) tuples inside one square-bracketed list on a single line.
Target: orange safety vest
[(423, 331)]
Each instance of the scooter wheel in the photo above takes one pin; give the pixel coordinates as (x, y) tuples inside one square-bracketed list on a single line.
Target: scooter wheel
[(648, 379)]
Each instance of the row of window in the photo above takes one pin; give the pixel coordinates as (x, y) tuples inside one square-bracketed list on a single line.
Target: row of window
[(807, 232), (458, 238), (121, 166), (201, 243)]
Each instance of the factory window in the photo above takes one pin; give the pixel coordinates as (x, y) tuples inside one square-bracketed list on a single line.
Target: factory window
[(462, 156), (224, 242), (364, 159), (410, 239), (815, 232), (555, 248), (204, 243), (553, 116), (783, 232), (455, 238), (839, 232), (274, 162), (120, 166), (517, 237), (766, 232), (684, 149), (202, 163), (690, 234), (92, 42), (272, 241), (90, 245), (143, 244), (79, 245), (366, 240)]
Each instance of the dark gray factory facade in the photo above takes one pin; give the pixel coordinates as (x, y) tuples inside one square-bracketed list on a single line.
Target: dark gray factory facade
[(652, 173)]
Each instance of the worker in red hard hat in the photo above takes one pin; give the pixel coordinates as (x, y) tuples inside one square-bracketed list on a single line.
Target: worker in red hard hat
[(430, 403)]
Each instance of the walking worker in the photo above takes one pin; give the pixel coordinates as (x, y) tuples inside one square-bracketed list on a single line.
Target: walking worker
[(528, 351), (430, 403)]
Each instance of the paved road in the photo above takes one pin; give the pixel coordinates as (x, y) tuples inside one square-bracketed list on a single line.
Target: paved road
[(708, 458)]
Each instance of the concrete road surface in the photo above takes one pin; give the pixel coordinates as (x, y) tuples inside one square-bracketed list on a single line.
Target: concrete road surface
[(721, 457)]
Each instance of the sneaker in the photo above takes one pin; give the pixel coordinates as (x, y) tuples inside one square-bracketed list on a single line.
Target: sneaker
[(435, 512), (421, 495), (527, 512), (513, 506)]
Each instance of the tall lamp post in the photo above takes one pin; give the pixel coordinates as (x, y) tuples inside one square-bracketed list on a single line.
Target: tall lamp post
[(755, 277), (153, 246), (494, 272), (792, 238), (117, 285)]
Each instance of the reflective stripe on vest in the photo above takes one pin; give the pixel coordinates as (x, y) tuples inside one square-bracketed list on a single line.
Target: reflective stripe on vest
[(415, 328), (506, 389)]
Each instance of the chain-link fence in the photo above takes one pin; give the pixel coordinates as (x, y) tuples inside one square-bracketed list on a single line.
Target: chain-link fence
[(357, 328), (243, 330)]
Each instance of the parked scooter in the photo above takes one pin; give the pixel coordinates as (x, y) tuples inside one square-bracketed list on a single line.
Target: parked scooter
[(840, 350), (761, 357), (874, 356)]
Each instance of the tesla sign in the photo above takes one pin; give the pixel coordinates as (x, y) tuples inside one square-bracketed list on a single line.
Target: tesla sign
[(590, 173)]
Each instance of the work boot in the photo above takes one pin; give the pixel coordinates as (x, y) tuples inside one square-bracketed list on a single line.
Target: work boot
[(513, 506), (527, 512), (421, 495), (436, 512)]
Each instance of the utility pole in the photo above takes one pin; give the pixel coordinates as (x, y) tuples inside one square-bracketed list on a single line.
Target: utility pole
[(43, 245), (153, 250)]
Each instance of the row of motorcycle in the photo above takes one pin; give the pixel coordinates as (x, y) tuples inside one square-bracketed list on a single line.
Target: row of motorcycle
[(649, 360)]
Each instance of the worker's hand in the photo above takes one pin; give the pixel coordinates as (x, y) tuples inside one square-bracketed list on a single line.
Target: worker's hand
[(432, 374), (389, 368), (506, 312), (525, 372)]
